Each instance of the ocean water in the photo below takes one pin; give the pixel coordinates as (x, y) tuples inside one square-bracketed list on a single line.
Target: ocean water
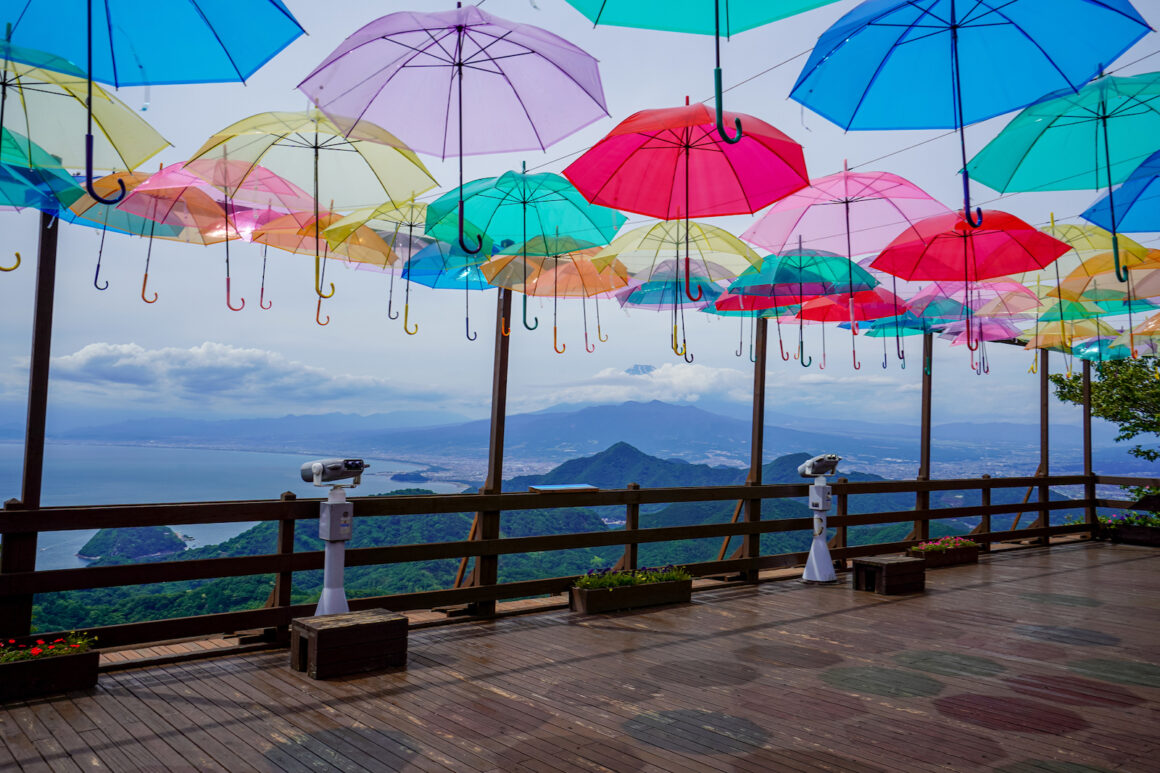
[(105, 475)]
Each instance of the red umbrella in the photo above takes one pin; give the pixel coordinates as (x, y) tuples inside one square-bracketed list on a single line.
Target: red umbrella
[(856, 307), (948, 247), (671, 163)]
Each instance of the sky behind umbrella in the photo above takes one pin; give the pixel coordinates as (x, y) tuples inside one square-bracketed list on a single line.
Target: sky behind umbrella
[(187, 354)]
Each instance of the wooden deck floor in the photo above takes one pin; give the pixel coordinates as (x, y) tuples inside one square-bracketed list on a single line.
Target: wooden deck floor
[(1038, 660)]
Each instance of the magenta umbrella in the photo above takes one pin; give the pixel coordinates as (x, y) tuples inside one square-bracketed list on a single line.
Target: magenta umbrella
[(427, 75), (848, 213), (671, 163)]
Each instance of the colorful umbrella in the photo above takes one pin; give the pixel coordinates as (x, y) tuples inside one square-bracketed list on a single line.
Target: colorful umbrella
[(1071, 140), (1136, 207), (517, 86), (401, 226), (900, 64), (346, 168), (143, 44), (671, 163), (526, 210), (850, 213), (698, 17)]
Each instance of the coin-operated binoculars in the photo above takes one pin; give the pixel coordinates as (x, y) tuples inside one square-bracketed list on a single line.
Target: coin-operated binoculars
[(819, 567), (335, 525)]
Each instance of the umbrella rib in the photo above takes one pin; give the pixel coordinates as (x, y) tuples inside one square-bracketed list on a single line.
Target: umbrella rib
[(217, 37), (1035, 44), (882, 64)]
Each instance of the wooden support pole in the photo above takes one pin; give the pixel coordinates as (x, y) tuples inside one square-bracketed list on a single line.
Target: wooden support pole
[(985, 521), (921, 529), (487, 567), (752, 542), (283, 581), (19, 550), (1044, 443), (841, 533), (1089, 487)]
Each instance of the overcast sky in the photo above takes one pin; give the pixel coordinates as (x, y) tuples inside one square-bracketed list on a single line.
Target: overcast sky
[(115, 356)]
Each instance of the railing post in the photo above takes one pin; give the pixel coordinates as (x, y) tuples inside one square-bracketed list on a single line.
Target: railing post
[(1044, 518), (283, 581), (631, 524), (921, 529), (18, 555), (985, 520), (841, 534), (751, 543)]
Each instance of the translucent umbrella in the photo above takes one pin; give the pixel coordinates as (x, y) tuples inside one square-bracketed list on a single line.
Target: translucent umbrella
[(346, 167)]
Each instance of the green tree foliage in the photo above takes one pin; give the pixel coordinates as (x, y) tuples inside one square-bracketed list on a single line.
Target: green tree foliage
[(1126, 393)]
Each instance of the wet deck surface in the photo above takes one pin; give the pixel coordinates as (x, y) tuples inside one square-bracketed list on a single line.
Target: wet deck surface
[(1038, 660)]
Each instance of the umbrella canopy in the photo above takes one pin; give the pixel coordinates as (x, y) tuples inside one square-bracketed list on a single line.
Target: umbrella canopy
[(346, 169), (800, 274), (857, 307), (848, 213), (523, 88), (900, 64), (947, 247), (294, 232), (1082, 140), (717, 254), (1137, 201), (443, 267), (45, 101), (670, 163)]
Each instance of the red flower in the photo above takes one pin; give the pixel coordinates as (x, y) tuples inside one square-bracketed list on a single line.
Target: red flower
[(35, 650), (74, 645), (52, 646), (40, 641), (11, 641), (54, 641)]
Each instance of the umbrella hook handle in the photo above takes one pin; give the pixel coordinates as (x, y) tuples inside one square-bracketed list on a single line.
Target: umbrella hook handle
[(858, 365), (885, 361), (317, 315), (467, 329), (266, 306), (688, 287), (559, 347), (406, 316), (100, 253), (505, 328), (229, 305), (391, 313), (588, 347), (479, 239), (537, 319), (802, 356), (687, 357), (318, 282), (721, 131), (599, 335), (741, 338), (1119, 267), (14, 266), (89, 176), (144, 282)]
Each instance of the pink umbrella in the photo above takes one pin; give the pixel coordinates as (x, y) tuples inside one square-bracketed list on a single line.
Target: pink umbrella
[(848, 213), (215, 201), (999, 298)]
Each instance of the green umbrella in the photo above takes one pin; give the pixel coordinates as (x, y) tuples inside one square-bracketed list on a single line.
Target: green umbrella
[(700, 17), (1082, 140)]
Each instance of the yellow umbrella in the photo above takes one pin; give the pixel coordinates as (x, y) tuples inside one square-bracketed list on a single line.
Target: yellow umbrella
[(1085, 241), (46, 104), (1060, 335), (309, 149), (1147, 331)]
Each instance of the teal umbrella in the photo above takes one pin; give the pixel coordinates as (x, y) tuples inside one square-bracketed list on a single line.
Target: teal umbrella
[(700, 17), (1084, 140), (519, 208)]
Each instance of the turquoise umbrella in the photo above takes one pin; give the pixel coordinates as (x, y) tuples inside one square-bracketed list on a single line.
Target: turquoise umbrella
[(521, 208), (1084, 140)]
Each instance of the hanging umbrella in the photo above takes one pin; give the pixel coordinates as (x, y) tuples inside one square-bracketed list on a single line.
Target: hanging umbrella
[(194, 198), (671, 163), (850, 213), (445, 267), (945, 64), (45, 102), (1137, 201), (949, 247), (1082, 140), (526, 210), (401, 226), (659, 290), (346, 168), (710, 251), (702, 17), (139, 44), (516, 86)]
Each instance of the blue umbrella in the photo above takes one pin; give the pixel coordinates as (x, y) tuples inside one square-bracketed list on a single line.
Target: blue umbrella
[(1137, 201), (943, 64), (150, 43), (445, 266)]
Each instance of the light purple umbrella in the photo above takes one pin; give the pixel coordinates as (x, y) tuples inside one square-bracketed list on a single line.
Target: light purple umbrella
[(427, 75), (848, 213)]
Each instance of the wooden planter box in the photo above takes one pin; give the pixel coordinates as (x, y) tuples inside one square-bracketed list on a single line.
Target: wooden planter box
[(952, 557), (596, 600), (23, 679), (1134, 535)]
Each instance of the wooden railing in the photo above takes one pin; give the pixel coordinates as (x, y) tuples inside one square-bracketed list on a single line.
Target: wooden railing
[(18, 587)]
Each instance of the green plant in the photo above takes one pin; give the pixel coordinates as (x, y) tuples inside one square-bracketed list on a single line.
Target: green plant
[(943, 544), (1116, 520), (606, 578), (71, 643)]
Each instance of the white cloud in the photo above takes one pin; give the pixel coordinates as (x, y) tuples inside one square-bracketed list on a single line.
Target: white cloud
[(222, 375)]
